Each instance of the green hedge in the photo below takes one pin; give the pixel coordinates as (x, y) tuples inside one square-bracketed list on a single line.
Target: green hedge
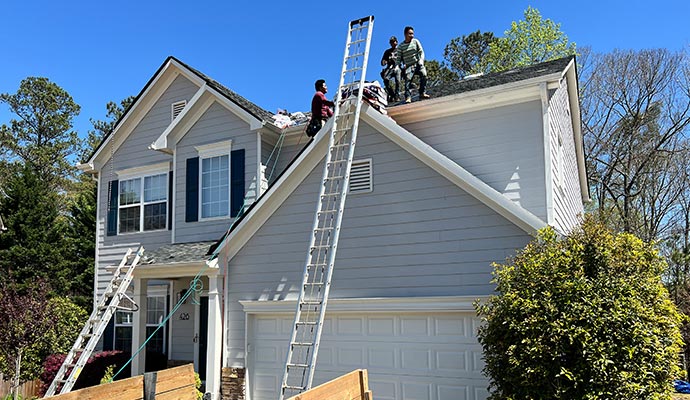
[(582, 317)]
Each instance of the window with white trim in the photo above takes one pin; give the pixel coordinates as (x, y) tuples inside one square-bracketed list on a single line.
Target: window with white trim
[(361, 176), (214, 180), (176, 109), (123, 331), (155, 312), (143, 203)]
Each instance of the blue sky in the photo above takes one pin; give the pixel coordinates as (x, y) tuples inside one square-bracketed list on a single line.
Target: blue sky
[(271, 52)]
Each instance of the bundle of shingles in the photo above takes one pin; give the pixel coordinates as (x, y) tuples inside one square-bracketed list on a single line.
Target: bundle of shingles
[(373, 94), (283, 119)]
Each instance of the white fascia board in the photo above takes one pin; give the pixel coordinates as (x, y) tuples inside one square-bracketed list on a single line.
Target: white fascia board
[(576, 118), (253, 122), (475, 100), (176, 270), (288, 182), (161, 143), (150, 169), (452, 171), (546, 138), (372, 305)]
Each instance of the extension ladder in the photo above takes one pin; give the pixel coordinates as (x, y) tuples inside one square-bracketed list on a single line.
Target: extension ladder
[(298, 372), (108, 303)]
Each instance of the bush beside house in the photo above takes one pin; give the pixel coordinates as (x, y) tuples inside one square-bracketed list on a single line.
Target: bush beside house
[(582, 317)]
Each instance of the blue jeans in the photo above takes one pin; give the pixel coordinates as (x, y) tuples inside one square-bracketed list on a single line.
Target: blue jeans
[(417, 69)]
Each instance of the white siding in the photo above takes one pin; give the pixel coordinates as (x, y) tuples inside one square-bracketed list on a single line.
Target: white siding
[(216, 125), (416, 234), (502, 146), (567, 200)]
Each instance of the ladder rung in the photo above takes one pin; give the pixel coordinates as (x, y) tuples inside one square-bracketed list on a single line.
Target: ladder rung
[(358, 41), (356, 54), (306, 322), (347, 71), (288, 387), (302, 344), (327, 211), (311, 303), (321, 246), (334, 178), (298, 365), (330, 228), (313, 284)]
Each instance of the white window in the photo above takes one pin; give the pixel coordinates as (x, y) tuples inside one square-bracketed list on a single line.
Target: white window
[(143, 203), (155, 313), (361, 176), (177, 108), (214, 182), (123, 331)]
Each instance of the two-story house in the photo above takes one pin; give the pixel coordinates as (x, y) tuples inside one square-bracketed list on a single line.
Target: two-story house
[(444, 188)]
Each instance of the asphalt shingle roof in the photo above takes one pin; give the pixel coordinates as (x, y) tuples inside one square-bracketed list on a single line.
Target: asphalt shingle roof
[(177, 253)]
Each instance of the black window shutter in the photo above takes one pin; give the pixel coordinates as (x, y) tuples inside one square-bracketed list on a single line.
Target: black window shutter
[(192, 190), (170, 200), (236, 181), (111, 228)]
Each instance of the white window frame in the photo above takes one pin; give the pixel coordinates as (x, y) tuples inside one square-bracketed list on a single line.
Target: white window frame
[(369, 161), (130, 317), (209, 151), (175, 105), (141, 173), (165, 313), (154, 291)]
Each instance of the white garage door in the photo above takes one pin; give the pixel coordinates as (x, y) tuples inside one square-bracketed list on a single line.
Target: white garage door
[(409, 356)]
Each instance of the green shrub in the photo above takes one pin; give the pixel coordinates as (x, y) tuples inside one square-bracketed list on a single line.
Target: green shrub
[(583, 317)]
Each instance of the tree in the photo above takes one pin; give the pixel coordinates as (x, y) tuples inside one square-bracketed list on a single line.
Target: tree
[(635, 114), (101, 128), (583, 317), (34, 244), (465, 54), (24, 318), (527, 42), (438, 74), (42, 136)]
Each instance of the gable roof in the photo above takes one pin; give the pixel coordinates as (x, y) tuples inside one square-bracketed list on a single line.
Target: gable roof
[(240, 232), (257, 113)]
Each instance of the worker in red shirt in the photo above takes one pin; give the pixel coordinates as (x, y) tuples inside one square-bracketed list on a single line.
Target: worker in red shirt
[(320, 108)]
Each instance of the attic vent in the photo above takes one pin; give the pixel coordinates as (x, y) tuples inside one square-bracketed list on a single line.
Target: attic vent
[(360, 176), (177, 108)]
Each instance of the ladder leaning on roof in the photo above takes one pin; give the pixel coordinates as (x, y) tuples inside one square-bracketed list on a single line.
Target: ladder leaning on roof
[(107, 304), (298, 372)]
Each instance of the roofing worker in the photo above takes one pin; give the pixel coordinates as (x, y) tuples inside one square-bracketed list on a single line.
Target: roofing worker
[(411, 56), (391, 71), (320, 108)]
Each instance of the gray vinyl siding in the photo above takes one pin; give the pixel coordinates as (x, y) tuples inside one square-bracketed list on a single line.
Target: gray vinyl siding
[(416, 234), (216, 125), (284, 158), (132, 153), (567, 198), (502, 146)]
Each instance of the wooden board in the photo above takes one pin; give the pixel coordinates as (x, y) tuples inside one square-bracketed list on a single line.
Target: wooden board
[(352, 386)]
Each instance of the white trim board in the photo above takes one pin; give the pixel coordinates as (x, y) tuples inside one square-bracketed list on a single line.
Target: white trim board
[(372, 305)]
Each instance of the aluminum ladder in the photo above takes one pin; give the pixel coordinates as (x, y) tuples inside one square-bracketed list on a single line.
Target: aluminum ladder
[(108, 303), (298, 372)]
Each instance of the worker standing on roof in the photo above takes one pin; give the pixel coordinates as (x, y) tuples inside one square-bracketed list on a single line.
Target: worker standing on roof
[(411, 56), (320, 108), (391, 71)]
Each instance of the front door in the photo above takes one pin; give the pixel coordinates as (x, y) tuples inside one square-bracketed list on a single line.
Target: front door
[(203, 336)]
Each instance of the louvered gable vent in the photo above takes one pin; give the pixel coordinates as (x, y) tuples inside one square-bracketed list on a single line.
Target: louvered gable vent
[(177, 108), (360, 176)]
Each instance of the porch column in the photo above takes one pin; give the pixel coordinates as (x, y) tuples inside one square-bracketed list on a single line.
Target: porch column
[(139, 326), (215, 337)]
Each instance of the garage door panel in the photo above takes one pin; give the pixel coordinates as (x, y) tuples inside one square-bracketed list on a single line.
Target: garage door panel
[(408, 356)]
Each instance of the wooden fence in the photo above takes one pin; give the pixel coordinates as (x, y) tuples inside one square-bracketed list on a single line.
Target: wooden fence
[(27, 389), (170, 384), (353, 386)]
